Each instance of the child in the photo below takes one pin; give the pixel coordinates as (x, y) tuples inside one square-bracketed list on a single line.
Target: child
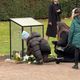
[(37, 46)]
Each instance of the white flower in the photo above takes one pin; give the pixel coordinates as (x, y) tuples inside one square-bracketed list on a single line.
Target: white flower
[(26, 57)]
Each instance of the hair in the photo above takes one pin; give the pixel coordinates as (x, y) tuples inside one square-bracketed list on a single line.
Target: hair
[(53, 1), (61, 26), (77, 11)]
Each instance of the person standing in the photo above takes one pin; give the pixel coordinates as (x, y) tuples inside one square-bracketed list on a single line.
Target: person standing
[(53, 18), (74, 36)]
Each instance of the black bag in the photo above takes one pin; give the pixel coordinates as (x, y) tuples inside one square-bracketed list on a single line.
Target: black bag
[(69, 49)]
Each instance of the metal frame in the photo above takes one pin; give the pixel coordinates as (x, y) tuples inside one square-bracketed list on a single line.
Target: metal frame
[(22, 29), (10, 37)]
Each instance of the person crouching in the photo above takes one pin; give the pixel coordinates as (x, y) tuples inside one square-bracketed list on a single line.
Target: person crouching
[(37, 46)]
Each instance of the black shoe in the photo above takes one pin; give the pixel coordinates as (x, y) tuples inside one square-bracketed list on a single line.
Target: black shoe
[(58, 60), (75, 67)]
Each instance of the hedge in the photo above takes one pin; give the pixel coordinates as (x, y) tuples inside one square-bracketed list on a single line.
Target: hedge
[(31, 8)]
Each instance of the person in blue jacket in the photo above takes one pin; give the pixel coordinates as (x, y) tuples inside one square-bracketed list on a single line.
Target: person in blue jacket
[(74, 36)]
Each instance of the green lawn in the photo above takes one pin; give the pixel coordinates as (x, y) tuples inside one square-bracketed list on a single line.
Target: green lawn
[(4, 36)]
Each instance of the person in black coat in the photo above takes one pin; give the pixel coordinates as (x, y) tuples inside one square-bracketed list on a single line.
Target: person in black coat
[(62, 34), (53, 18), (37, 46)]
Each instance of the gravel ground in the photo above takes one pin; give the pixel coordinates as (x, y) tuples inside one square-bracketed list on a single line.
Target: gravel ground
[(49, 71)]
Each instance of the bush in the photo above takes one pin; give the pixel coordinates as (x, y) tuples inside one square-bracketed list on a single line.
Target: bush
[(23, 8), (68, 5), (32, 8)]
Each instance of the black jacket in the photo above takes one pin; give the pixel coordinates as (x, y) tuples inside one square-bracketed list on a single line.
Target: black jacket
[(54, 16), (35, 43)]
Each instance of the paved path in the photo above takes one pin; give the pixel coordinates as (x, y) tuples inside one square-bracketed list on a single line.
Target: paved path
[(50, 71)]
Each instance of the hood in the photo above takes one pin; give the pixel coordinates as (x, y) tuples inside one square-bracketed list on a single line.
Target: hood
[(35, 34)]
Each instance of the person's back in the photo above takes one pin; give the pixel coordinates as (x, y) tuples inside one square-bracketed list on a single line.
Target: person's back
[(36, 40), (74, 35), (62, 31), (63, 41)]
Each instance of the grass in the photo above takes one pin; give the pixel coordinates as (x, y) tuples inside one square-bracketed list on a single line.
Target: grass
[(4, 36)]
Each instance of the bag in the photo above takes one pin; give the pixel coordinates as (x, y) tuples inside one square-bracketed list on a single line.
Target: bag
[(69, 49)]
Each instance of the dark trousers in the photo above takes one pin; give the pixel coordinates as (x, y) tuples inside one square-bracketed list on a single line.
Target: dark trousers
[(46, 59), (77, 52), (38, 56)]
